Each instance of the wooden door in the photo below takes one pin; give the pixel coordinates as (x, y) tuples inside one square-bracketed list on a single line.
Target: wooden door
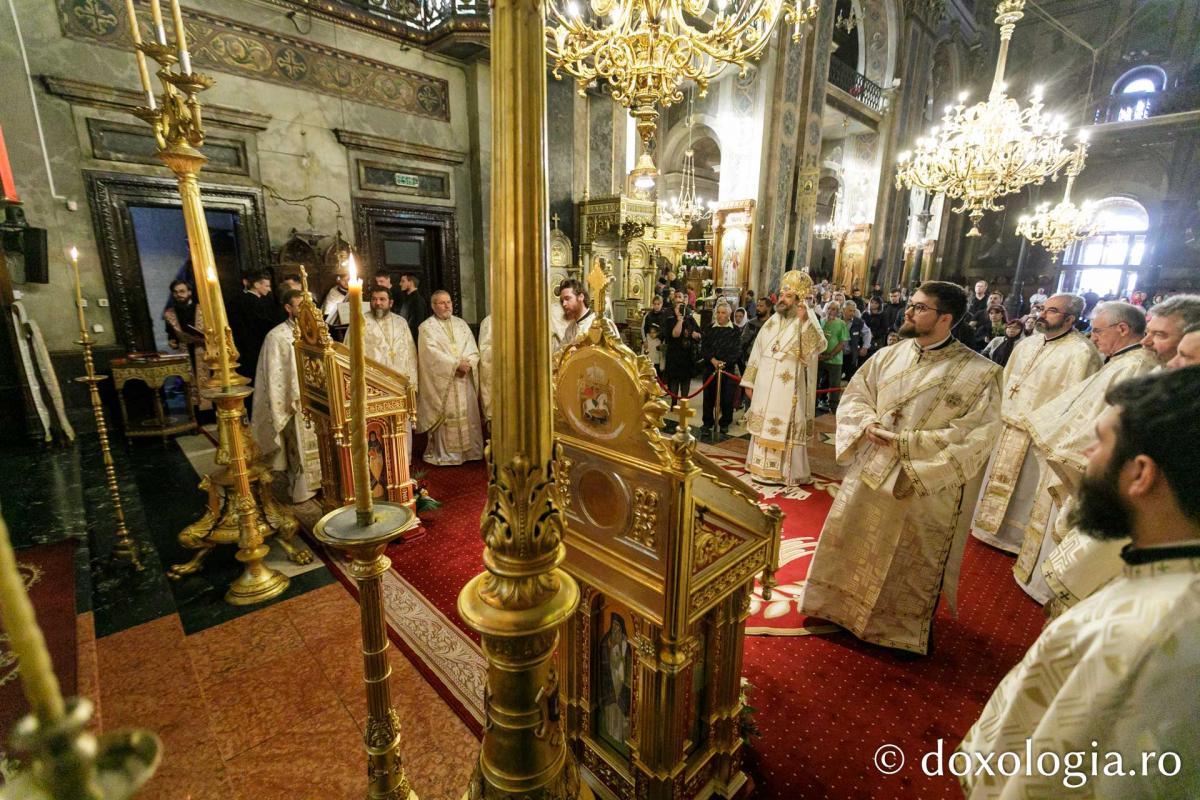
[(421, 240)]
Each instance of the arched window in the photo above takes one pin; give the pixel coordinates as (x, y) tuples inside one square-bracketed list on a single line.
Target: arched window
[(1137, 88), (1120, 238)]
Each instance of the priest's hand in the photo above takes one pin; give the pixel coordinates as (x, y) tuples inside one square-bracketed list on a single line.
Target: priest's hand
[(749, 392), (464, 367), (879, 435)]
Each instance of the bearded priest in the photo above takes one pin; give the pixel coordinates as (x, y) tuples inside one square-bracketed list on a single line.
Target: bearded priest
[(781, 382), (448, 399), (1061, 431), (288, 445), (915, 427), (1041, 368), (387, 337), (1115, 676)]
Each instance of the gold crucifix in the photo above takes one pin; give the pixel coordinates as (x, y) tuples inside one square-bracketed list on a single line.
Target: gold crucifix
[(597, 282)]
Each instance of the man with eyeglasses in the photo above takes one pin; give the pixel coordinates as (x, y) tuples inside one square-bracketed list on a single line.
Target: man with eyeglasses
[(1041, 368), (915, 427), (1064, 427)]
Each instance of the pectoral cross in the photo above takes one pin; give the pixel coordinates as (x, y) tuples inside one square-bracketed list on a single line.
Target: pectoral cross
[(896, 416)]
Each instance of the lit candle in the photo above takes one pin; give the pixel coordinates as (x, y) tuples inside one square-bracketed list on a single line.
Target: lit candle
[(78, 293), (358, 400), (160, 33), (185, 60), (222, 331), (25, 637), (143, 72)]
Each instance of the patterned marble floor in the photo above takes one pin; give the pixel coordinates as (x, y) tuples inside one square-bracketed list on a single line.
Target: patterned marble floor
[(261, 702)]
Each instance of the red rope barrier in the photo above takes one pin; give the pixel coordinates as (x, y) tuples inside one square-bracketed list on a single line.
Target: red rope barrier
[(735, 378)]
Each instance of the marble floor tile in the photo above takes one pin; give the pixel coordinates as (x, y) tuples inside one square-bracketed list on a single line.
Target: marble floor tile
[(249, 706), (244, 642), (320, 756)]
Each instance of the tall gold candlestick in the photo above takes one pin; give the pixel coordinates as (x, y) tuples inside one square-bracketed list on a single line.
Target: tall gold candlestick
[(358, 400), (25, 637), (213, 286), (185, 59), (160, 32), (143, 70)]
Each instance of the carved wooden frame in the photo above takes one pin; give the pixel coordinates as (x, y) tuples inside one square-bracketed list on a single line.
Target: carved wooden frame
[(112, 194), (367, 212)]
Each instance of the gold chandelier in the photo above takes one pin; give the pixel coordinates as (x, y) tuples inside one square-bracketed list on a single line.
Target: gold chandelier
[(646, 49), (834, 229), (687, 208), (1055, 228), (980, 154)]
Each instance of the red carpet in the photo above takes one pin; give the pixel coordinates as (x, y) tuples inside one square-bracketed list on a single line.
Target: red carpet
[(49, 574), (825, 704)]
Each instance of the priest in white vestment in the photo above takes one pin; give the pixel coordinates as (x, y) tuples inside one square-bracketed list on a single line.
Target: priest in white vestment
[(781, 381), (485, 366), (336, 295), (1063, 428), (387, 337), (287, 444), (575, 302), (1041, 367), (1115, 676), (448, 398), (915, 426)]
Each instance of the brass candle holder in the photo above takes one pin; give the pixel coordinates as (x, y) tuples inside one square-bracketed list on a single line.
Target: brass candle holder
[(240, 507), (124, 547), (365, 544)]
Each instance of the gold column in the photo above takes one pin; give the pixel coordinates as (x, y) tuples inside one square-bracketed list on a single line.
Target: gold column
[(179, 132), (523, 598)]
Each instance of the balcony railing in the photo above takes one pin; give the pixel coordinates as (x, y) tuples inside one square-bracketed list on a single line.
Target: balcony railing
[(419, 21), (855, 84), (1143, 105)]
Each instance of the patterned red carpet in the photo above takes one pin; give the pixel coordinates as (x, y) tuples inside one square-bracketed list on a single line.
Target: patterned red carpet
[(825, 704)]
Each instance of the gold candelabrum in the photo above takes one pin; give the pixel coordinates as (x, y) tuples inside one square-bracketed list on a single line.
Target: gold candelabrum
[(519, 603), (240, 506), (981, 153), (124, 547), (364, 530), (67, 761)]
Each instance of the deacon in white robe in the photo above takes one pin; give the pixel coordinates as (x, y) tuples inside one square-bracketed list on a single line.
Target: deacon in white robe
[(781, 381), (336, 295), (1041, 367), (448, 399), (387, 338), (287, 444), (1063, 428), (1113, 680), (485, 366), (915, 426), (575, 303)]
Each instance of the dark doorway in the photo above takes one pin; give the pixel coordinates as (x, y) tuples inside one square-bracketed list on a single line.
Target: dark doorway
[(411, 239), (138, 222)]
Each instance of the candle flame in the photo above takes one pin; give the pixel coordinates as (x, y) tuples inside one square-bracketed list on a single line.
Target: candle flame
[(74, 254), (352, 265)]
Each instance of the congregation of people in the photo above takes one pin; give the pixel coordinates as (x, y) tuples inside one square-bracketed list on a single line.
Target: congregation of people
[(1059, 429)]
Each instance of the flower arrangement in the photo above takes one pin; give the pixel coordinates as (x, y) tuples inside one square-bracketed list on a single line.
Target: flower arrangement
[(694, 258)]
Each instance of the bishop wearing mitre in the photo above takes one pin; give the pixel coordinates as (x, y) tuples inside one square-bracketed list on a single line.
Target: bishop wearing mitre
[(1041, 368), (781, 380), (287, 444), (915, 426), (448, 398), (387, 338), (1061, 432)]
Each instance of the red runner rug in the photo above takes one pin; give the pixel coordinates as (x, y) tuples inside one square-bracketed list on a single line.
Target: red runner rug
[(49, 574)]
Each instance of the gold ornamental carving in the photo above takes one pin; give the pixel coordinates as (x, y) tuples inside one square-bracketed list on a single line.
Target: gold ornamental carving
[(645, 517), (710, 544)]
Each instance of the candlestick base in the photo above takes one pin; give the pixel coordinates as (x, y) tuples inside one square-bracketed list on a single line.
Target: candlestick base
[(70, 761), (258, 582)]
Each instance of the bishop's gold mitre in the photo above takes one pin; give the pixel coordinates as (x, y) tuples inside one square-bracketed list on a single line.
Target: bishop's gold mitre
[(798, 281)]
